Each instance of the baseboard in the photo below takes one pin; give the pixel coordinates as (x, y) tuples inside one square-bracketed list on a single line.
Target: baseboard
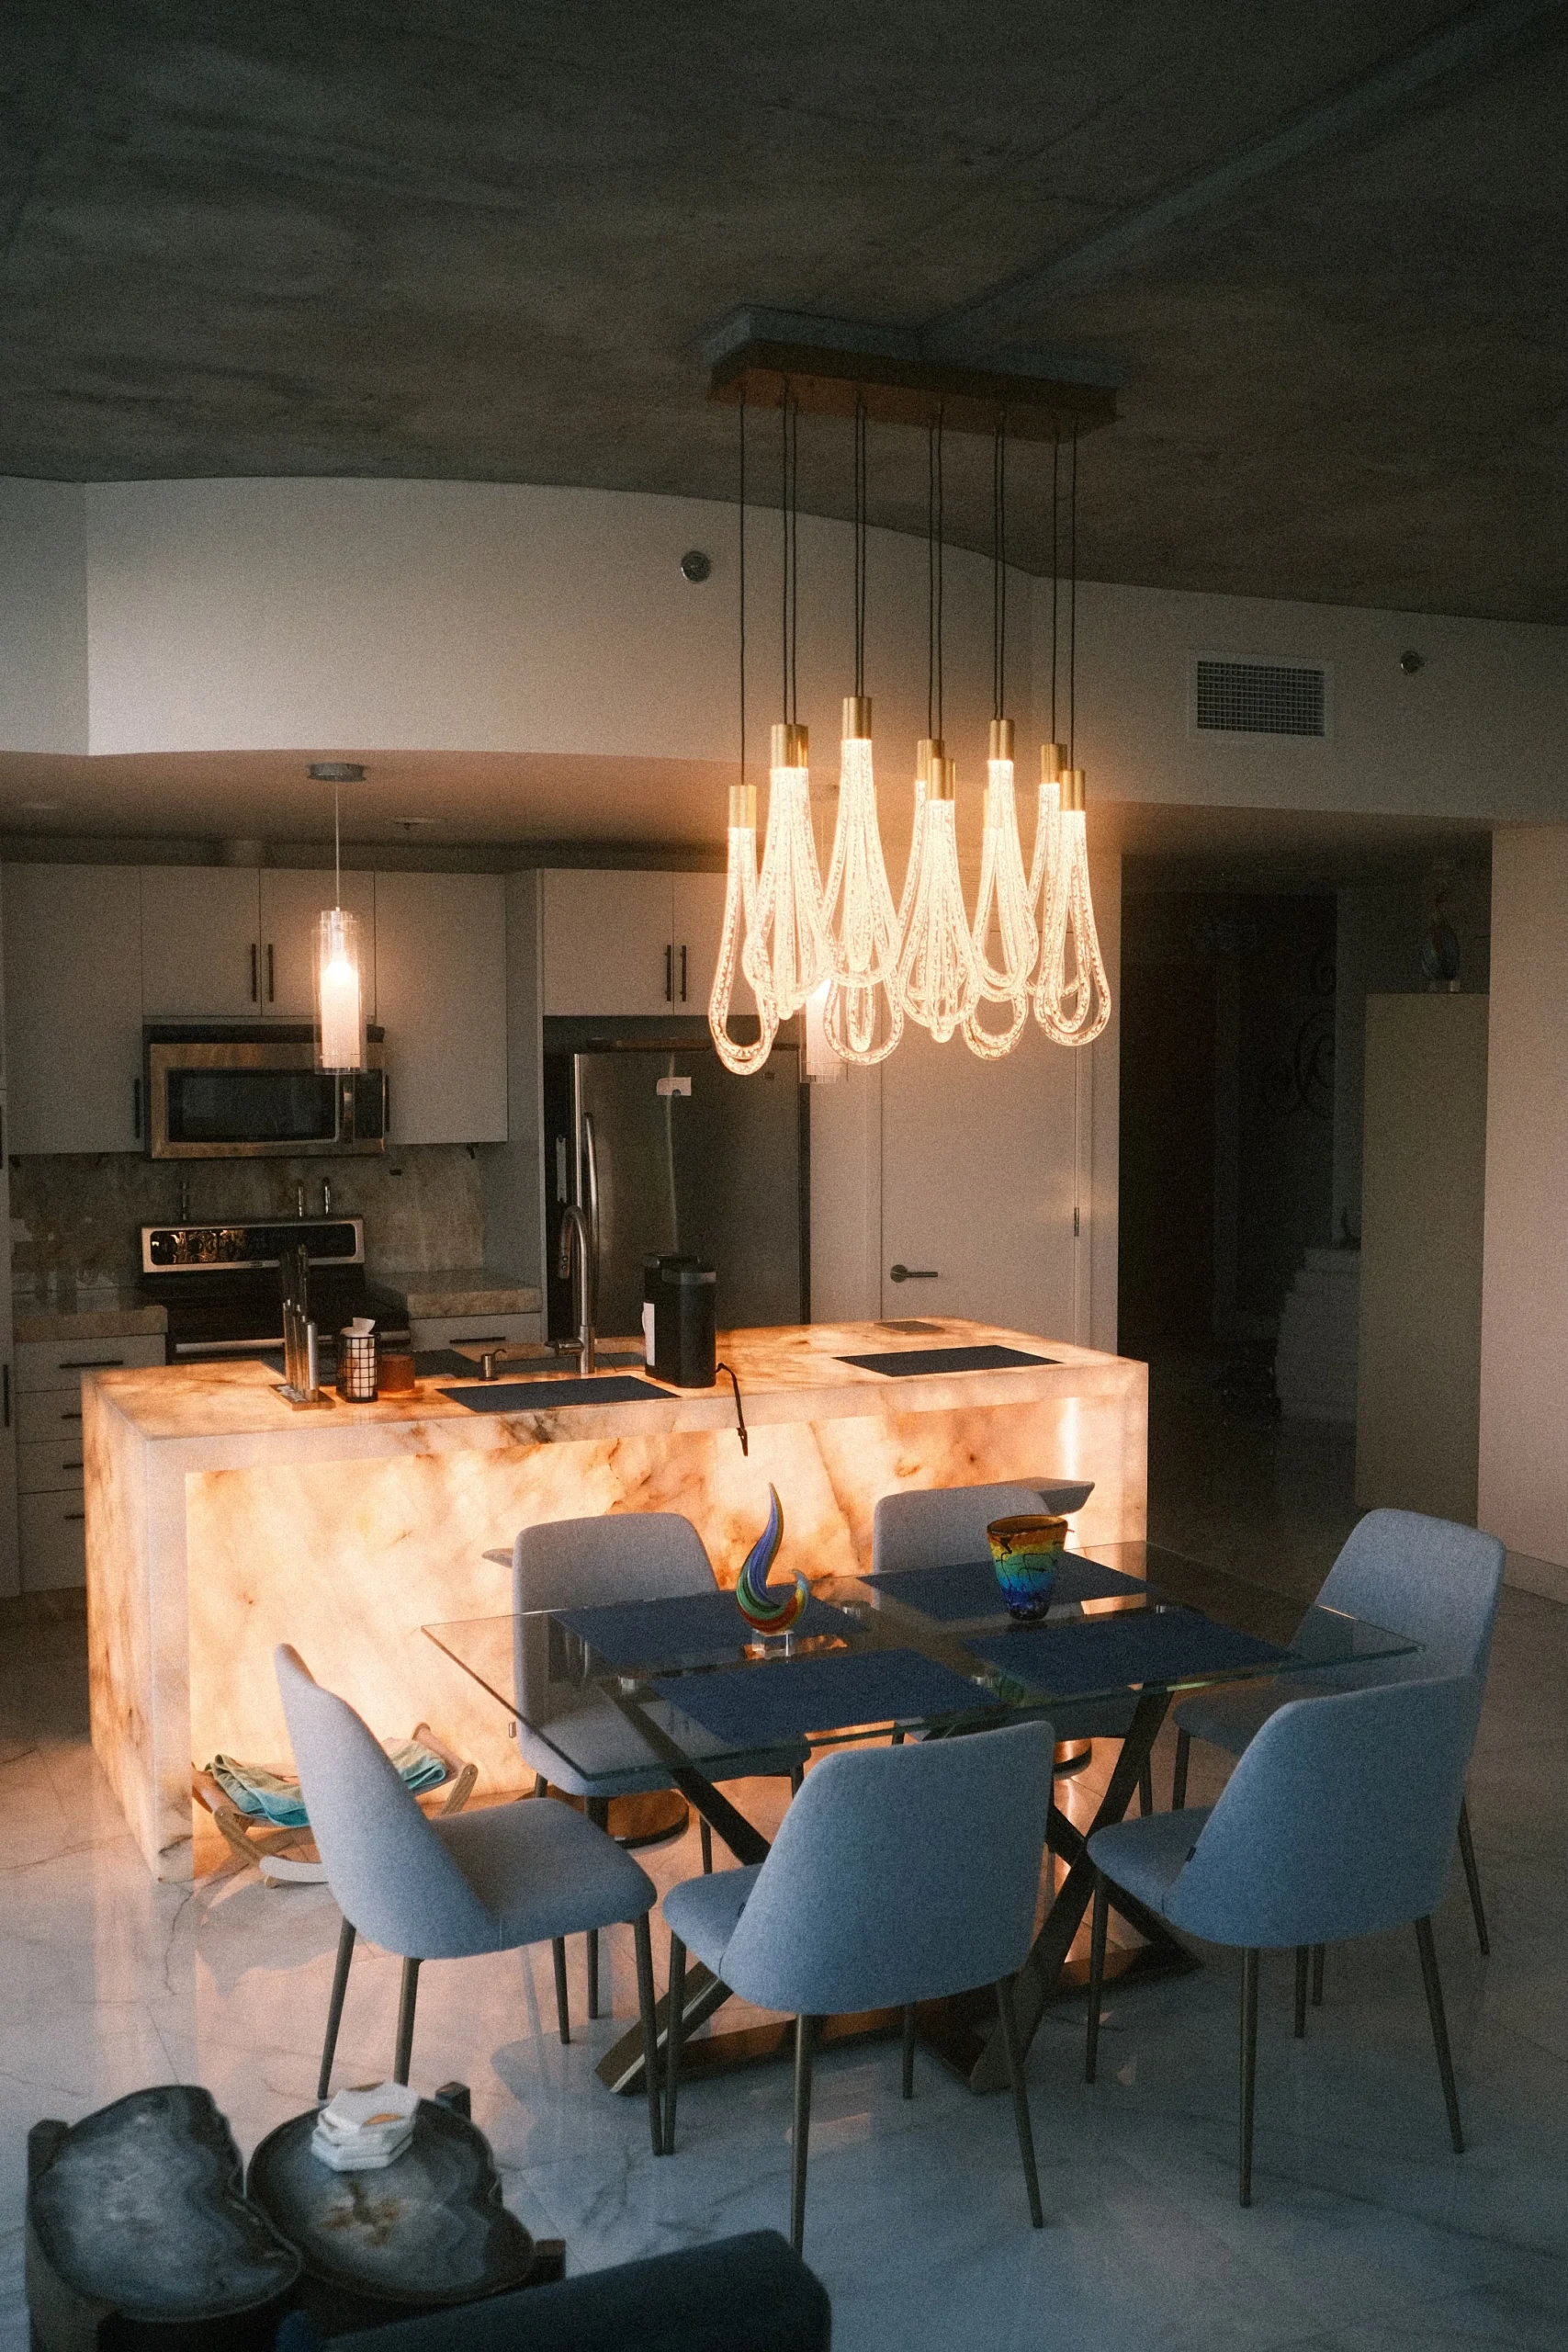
[(1545, 1576)]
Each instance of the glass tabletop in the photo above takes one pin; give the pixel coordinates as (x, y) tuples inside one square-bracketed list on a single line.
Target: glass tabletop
[(613, 1689)]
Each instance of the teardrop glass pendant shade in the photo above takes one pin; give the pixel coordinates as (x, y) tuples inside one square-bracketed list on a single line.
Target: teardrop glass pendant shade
[(789, 953), (1047, 835), (740, 929), (863, 923), (1072, 996), (1004, 899), (938, 976)]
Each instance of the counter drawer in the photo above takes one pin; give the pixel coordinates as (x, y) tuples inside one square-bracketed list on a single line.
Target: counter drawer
[(460, 1330), (53, 1541), (53, 1469), (60, 1363), (49, 1417)]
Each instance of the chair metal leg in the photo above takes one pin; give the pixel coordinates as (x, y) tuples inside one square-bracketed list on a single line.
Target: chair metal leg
[(910, 2050), (1433, 1983), (1301, 1957), (649, 2029), (406, 1999), (1145, 1791), (805, 2040), (674, 2038), (1248, 2065), (1179, 1771), (599, 1815), (335, 2007), (707, 1848), (541, 1786), (1317, 1977), (1472, 1878), (563, 2018), (1019, 2098), (1096, 1973), (797, 1774)]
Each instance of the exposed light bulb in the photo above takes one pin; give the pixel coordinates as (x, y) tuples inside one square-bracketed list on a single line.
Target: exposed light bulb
[(1004, 892), (788, 953), (863, 923), (340, 1001), (939, 977), (1072, 995), (740, 929)]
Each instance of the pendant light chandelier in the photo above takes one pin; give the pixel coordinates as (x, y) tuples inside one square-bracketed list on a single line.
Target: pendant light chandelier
[(858, 966), (338, 990)]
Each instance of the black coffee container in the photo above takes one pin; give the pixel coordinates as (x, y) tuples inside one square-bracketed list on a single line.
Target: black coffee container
[(683, 1323), (653, 1269)]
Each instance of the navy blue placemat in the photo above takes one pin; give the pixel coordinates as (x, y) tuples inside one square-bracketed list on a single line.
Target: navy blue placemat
[(1112, 1653), (903, 1363), (971, 1590), (758, 1707), (696, 1629), (530, 1395)]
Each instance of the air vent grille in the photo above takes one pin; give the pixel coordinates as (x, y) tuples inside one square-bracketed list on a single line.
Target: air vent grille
[(1260, 698)]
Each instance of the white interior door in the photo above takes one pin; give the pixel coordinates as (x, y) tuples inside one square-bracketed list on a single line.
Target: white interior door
[(979, 1183)]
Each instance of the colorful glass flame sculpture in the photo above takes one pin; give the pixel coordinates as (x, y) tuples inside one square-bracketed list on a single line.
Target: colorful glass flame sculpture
[(769, 1611)]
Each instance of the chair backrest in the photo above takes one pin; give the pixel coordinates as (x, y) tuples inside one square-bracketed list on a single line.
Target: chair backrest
[(939, 1527), (621, 1556), (898, 1874), (1337, 1821), (388, 1870), (1431, 1579)]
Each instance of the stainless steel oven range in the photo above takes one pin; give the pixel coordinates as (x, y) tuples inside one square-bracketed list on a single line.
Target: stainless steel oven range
[(221, 1284)]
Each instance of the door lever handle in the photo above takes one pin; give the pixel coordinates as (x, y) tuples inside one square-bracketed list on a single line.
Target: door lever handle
[(913, 1275)]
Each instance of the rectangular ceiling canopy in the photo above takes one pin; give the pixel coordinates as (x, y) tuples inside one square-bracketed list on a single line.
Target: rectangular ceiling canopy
[(828, 365)]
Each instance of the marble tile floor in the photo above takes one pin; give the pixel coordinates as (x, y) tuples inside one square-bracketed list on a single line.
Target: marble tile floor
[(1366, 2231)]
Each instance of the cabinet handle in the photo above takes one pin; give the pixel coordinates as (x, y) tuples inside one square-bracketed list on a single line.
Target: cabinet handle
[(72, 1461), (913, 1275), (253, 993), (669, 985), (68, 1515), (682, 975), (271, 990), (92, 1364), (5, 1393), (135, 1108), (71, 1417)]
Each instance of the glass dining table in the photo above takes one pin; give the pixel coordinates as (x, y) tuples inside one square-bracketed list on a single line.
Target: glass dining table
[(685, 1688)]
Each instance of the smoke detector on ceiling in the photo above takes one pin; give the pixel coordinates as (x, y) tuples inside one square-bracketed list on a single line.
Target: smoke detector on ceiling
[(335, 771)]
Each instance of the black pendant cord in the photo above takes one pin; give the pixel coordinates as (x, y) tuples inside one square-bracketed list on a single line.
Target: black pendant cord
[(998, 571), (860, 544), (1072, 602), (789, 455), (793, 555), (742, 587), (1056, 565), (940, 502), (931, 579)]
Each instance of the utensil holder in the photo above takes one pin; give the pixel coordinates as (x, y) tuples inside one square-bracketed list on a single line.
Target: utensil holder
[(356, 1367)]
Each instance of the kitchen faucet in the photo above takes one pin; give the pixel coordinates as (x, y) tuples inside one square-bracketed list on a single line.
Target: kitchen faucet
[(573, 1221)]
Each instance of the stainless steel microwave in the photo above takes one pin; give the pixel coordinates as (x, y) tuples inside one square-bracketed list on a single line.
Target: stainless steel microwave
[(232, 1094)]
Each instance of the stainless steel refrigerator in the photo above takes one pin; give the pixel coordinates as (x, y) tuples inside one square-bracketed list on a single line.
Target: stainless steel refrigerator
[(667, 1151)]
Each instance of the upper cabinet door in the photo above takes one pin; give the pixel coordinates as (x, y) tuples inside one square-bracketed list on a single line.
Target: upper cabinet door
[(609, 943), (73, 1007), (441, 997), (291, 906), (200, 943), (697, 928)]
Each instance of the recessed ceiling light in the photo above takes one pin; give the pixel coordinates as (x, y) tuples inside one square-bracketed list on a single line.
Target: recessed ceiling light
[(335, 771), (413, 824)]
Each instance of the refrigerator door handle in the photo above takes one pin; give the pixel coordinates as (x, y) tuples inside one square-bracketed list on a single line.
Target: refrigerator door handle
[(591, 1169)]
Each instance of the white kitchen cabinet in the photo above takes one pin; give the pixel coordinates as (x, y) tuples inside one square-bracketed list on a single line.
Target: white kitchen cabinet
[(291, 907), (441, 997), (200, 944), (46, 1396), (630, 944), (73, 960)]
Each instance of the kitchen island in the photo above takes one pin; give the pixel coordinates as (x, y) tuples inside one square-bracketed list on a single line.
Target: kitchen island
[(221, 1522)]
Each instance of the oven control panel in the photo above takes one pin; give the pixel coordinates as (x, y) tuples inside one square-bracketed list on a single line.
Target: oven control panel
[(206, 1249)]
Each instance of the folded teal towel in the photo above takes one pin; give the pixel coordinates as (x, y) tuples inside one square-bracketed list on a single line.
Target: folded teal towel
[(267, 1796)]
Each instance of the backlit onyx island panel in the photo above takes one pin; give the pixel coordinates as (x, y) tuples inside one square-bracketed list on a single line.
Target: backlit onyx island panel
[(220, 1522)]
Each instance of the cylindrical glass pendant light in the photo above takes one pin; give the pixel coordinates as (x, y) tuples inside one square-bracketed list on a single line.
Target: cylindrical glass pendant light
[(938, 976), (338, 990), (1071, 997), (1004, 898), (739, 927)]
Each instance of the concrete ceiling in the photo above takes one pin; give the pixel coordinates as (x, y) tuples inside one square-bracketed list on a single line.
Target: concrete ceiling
[(473, 241)]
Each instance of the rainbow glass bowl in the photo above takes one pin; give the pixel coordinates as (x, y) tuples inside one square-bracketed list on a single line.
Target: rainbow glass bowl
[(1026, 1553)]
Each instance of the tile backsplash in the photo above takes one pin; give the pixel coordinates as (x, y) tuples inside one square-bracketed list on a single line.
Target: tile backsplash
[(76, 1219)]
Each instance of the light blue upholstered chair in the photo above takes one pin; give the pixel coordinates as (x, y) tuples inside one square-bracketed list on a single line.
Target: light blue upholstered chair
[(1434, 1581), (447, 1889), (937, 1527), (899, 1874), (583, 1564), (1339, 1821)]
